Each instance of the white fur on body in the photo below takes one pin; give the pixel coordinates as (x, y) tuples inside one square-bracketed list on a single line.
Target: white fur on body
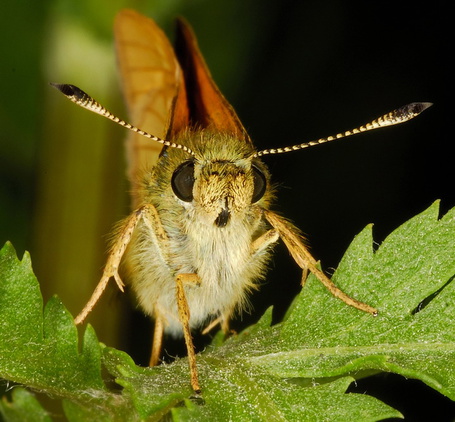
[(224, 258)]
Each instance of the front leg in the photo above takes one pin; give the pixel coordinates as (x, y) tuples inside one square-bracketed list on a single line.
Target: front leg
[(264, 241), (148, 214), (304, 260), (184, 316)]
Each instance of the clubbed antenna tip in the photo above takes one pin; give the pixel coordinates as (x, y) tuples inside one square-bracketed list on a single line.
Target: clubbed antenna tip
[(417, 108), (82, 99), (69, 90), (400, 115)]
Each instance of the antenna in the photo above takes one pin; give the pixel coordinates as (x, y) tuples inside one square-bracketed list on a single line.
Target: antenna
[(81, 98), (395, 117)]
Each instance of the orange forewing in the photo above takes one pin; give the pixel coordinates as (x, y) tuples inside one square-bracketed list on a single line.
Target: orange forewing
[(166, 91), (206, 104), (150, 77)]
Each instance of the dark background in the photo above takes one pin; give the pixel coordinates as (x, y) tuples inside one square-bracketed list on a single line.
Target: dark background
[(294, 71)]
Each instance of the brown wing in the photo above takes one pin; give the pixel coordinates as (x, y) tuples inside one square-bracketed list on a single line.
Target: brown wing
[(164, 97), (203, 100), (150, 76)]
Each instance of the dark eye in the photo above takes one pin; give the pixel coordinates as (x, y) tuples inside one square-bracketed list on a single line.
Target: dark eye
[(260, 184), (182, 181)]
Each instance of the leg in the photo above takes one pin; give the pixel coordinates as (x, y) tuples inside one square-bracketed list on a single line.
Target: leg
[(157, 344), (221, 320), (304, 276), (263, 241), (212, 325), (150, 217), (305, 261), (184, 315)]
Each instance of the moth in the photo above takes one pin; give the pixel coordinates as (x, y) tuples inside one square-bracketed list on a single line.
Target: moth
[(202, 231)]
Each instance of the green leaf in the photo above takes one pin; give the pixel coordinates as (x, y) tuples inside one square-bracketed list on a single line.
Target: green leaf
[(298, 370), (410, 280), (236, 389), (40, 349), (23, 407)]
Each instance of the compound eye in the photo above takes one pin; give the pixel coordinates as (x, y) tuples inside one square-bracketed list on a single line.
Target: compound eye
[(260, 184), (182, 181)]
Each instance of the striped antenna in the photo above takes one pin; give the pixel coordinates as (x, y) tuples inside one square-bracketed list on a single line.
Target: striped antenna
[(400, 115), (81, 98)]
